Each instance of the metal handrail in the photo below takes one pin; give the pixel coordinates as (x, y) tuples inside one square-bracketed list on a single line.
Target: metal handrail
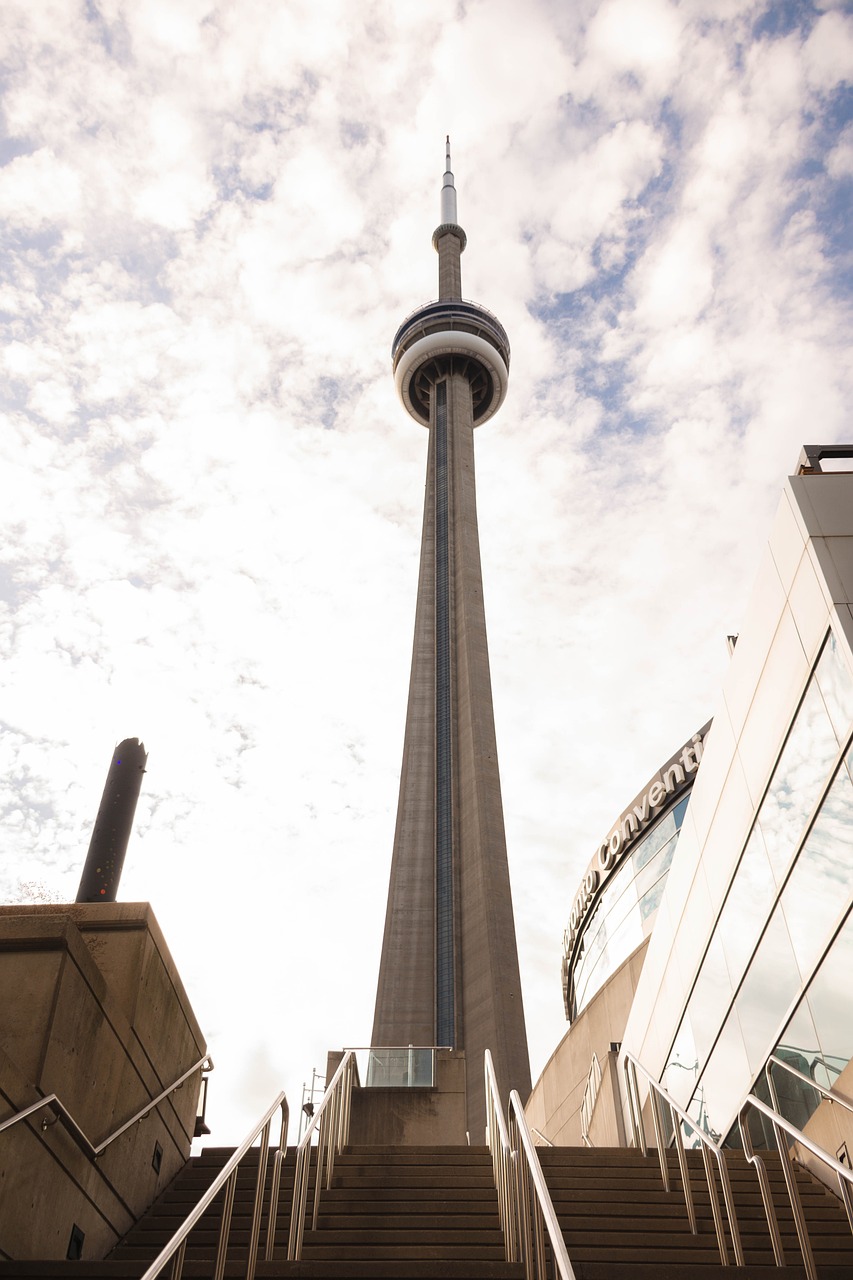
[(503, 1162), (331, 1121), (86, 1146), (657, 1096), (539, 1134), (536, 1208), (176, 1247), (781, 1126), (524, 1203)]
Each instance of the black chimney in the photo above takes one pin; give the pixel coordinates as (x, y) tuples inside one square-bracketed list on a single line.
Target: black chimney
[(105, 859)]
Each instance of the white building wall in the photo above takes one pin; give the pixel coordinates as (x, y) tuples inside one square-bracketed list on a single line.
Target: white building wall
[(804, 586)]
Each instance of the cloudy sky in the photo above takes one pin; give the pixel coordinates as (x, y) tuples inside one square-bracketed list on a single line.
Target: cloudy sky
[(215, 216)]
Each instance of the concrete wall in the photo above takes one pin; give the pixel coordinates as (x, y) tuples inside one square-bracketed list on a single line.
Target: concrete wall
[(413, 1117), (94, 1011), (555, 1103)]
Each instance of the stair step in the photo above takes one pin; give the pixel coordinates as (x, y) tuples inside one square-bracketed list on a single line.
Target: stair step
[(431, 1214), (376, 1222)]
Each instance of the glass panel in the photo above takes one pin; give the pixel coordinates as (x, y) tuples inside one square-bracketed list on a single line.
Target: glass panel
[(651, 869), (724, 1082), (819, 887), (655, 840), (798, 1046), (711, 998), (829, 1000), (680, 1072), (747, 906), (769, 988), (799, 1039), (621, 897), (801, 772), (625, 912), (649, 904), (399, 1068), (836, 686)]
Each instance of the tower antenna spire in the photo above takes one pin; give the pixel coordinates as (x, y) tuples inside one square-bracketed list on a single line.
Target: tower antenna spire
[(449, 239), (448, 190)]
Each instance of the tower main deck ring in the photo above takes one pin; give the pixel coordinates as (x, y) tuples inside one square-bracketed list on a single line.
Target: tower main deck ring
[(448, 334)]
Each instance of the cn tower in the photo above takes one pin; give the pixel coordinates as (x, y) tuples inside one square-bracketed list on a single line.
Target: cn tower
[(449, 968)]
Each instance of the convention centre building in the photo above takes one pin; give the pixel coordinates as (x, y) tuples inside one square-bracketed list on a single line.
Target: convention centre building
[(714, 927)]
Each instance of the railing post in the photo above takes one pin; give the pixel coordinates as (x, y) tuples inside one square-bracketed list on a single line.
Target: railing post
[(524, 1211), (539, 1238), (257, 1207), (685, 1172), (178, 1262), (844, 1190), (729, 1199), (275, 1182), (635, 1110), (764, 1185), (654, 1101), (302, 1175), (715, 1207), (318, 1169), (225, 1225), (796, 1203)]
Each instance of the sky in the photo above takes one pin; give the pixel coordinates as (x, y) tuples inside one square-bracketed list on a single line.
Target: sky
[(215, 215)]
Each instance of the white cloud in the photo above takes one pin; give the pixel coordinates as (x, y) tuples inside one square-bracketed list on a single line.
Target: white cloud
[(38, 190), (642, 40), (839, 162), (829, 51)]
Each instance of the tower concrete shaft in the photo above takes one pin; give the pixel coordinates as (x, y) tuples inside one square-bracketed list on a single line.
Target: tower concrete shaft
[(449, 969)]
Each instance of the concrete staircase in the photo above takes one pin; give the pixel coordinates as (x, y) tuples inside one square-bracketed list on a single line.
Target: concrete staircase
[(430, 1213), (420, 1212), (617, 1220)]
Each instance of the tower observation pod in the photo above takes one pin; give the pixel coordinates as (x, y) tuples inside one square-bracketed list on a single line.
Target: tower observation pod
[(451, 335), (449, 969)]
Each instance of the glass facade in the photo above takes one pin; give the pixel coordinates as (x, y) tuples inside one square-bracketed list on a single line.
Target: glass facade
[(625, 912), (775, 974)]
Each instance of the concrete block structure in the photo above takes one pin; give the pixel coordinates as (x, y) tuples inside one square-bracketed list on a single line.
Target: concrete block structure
[(431, 1114), (93, 1011)]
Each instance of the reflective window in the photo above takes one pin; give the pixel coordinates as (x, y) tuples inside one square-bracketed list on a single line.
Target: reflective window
[(819, 1044), (725, 1080), (625, 912), (682, 1069), (836, 685), (711, 998), (797, 781), (747, 906), (826, 1008), (820, 884), (767, 991), (768, 976)]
